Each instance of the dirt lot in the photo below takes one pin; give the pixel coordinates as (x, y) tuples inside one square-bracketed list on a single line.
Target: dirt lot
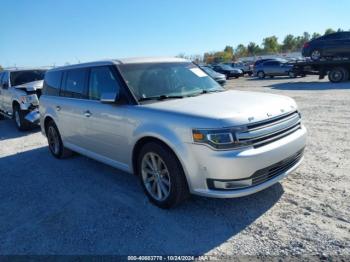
[(80, 206)]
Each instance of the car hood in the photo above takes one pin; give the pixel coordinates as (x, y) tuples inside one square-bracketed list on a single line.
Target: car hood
[(31, 86), (229, 107)]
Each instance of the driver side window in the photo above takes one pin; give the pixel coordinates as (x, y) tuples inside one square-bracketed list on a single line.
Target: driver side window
[(101, 80)]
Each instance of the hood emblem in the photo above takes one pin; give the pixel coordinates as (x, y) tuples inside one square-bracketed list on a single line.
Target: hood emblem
[(282, 110), (269, 114), (250, 119)]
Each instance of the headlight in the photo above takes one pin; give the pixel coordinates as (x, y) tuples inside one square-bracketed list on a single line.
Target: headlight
[(31, 99), (218, 139)]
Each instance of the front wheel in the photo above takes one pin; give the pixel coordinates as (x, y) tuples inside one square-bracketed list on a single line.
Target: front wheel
[(161, 175), (19, 116)]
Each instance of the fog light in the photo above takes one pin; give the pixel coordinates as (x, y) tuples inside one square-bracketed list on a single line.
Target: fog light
[(229, 184)]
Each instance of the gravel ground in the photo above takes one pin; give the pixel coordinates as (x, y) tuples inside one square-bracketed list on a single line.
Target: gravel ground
[(80, 206)]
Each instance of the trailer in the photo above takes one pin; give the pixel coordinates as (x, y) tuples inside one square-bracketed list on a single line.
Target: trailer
[(338, 69)]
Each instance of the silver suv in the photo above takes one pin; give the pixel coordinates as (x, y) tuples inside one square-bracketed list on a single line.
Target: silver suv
[(20, 90), (169, 123)]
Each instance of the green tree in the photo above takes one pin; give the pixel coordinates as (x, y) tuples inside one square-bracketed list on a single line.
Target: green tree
[(329, 31), (1, 68), (253, 49), (289, 43), (271, 44), (241, 51), (228, 49), (315, 35)]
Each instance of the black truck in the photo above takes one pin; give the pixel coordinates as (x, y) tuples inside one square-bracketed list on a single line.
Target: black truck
[(337, 69)]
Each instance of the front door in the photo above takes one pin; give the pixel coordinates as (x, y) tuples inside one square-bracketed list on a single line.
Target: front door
[(105, 124)]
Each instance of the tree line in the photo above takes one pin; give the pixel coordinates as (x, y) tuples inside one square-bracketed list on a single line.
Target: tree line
[(270, 45)]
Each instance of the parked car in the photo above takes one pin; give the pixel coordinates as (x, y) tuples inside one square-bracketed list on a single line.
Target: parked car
[(228, 71), (19, 96), (245, 67), (273, 68), (173, 126), (220, 78), (259, 61), (328, 46)]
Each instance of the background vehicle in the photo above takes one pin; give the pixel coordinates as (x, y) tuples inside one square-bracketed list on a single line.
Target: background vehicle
[(338, 70), (245, 67), (220, 78), (19, 95), (228, 71), (163, 119), (273, 68), (328, 46)]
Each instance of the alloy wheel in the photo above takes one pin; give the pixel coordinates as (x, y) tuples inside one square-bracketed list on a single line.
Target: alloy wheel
[(155, 176), (17, 119), (54, 142)]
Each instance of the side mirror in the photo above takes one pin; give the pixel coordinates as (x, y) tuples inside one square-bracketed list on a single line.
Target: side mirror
[(108, 98)]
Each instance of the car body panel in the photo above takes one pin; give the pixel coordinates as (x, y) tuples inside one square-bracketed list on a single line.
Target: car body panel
[(111, 131)]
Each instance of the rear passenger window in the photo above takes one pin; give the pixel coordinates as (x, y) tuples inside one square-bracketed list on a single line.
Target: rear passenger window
[(52, 83), (75, 84), (102, 80)]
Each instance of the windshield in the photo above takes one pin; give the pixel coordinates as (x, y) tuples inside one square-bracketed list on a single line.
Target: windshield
[(208, 70), (176, 80), (226, 67), (22, 77)]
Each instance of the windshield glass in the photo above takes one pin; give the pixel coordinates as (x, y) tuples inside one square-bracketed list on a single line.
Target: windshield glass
[(22, 77), (226, 67), (208, 70), (167, 79)]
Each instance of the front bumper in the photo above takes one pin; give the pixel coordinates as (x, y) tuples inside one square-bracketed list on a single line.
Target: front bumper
[(33, 116), (206, 164)]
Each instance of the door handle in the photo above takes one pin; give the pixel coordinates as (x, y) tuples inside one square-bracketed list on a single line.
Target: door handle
[(87, 113), (58, 108)]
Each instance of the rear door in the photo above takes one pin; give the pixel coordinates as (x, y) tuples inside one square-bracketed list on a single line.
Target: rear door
[(271, 67), (70, 107)]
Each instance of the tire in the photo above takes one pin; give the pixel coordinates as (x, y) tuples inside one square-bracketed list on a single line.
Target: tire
[(291, 74), (250, 74), (227, 77), (315, 55), (236, 77), (55, 142), (337, 75), (159, 170), (261, 74), (19, 116), (272, 77)]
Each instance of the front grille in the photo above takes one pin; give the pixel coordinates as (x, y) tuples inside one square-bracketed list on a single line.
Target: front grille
[(265, 132), (277, 169)]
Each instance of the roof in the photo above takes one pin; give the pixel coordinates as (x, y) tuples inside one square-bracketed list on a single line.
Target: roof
[(134, 60), (17, 69)]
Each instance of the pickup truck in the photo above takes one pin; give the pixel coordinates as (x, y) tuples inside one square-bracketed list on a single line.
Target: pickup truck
[(19, 96)]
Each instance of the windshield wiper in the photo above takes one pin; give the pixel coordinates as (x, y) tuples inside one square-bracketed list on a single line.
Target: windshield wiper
[(161, 97), (204, 91)]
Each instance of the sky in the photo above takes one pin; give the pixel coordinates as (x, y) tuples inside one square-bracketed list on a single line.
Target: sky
[(49, 32)]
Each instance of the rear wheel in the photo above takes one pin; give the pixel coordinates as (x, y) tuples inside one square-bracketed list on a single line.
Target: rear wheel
[(338, 74), (315, 55), (261, 74), (19, 117), (291, 74), (55, 142), (161, 175)]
